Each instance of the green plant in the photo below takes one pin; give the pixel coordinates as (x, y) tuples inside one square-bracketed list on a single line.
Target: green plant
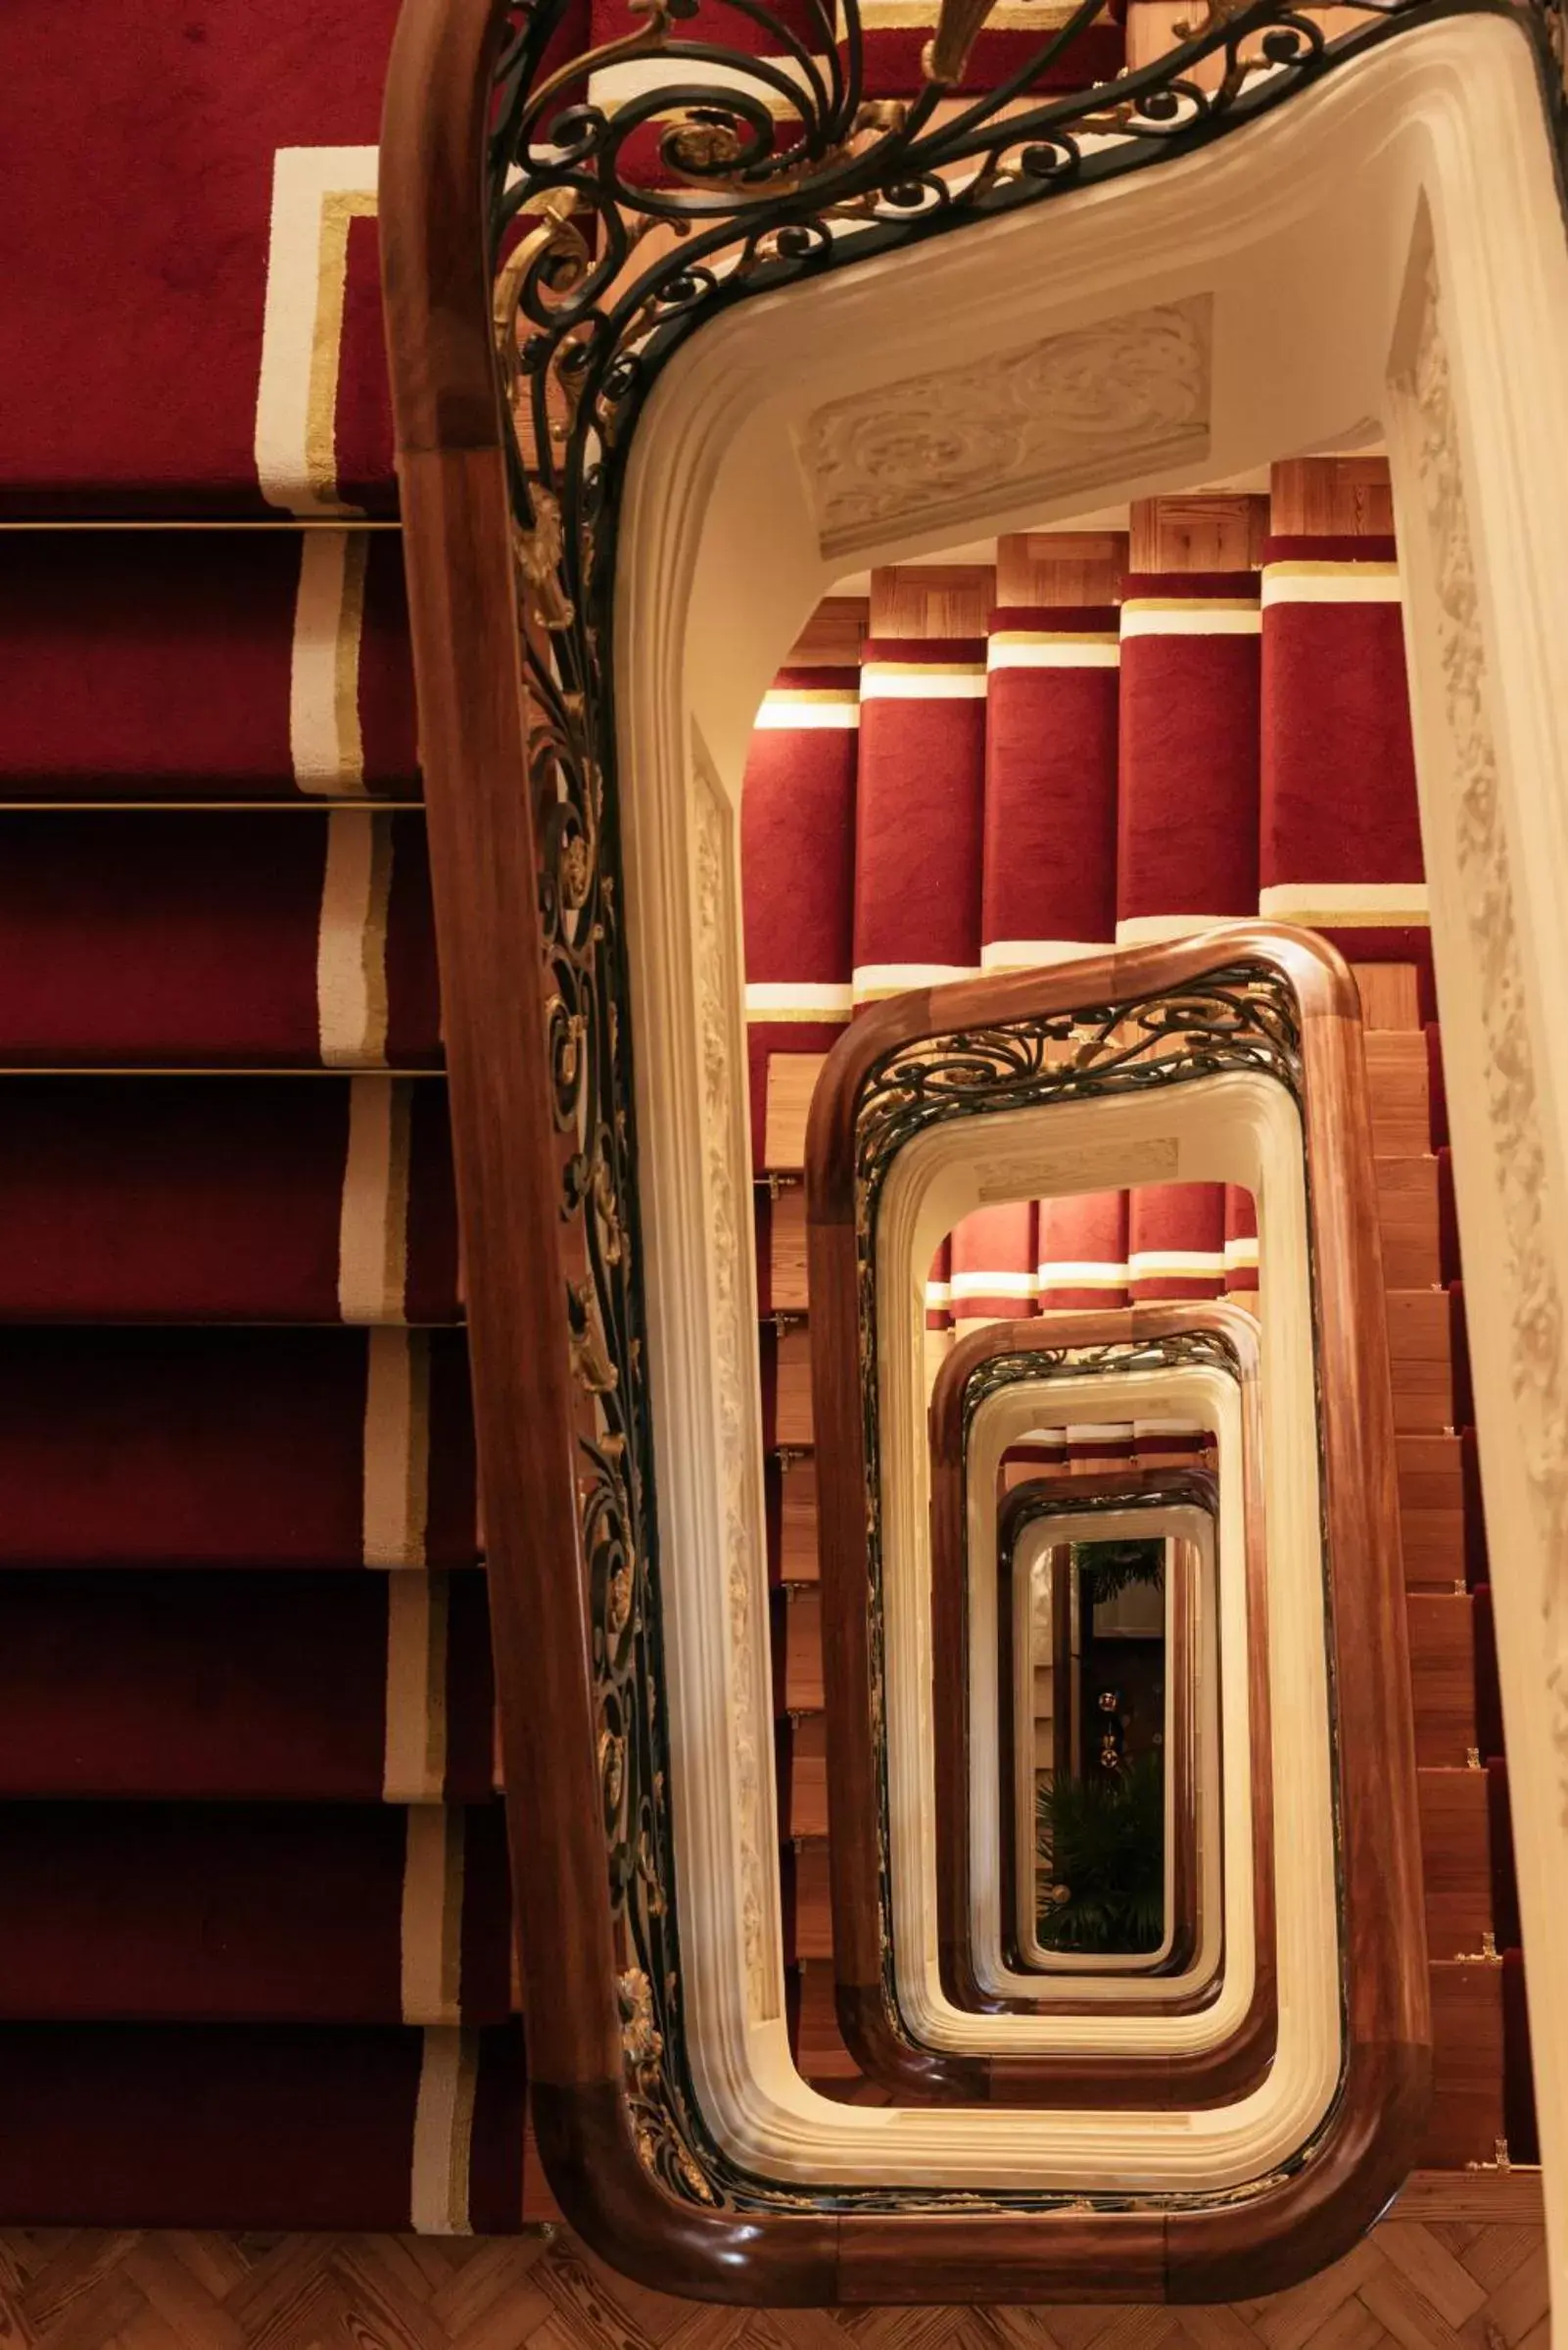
[(1110, 1567), (1100, 1848)]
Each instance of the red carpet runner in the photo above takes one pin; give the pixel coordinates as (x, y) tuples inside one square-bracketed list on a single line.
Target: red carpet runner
[(257, 1968)]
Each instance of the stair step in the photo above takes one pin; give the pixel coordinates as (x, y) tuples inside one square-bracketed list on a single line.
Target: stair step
[(797, 1521), (1455, 1860), (1391, 996), (1442, 1677), (261, 2126), (792, 1422), (802, 1654), (804, 1777), (255, 1913), (245, 1685), (301, 1199), (1408, 1221), (106, 630), (215, 938), (1421, 1359), (812, 1899), (1466, 2120), (1432, 1529), (185, 443), (1399, 1093), (189, 1446)]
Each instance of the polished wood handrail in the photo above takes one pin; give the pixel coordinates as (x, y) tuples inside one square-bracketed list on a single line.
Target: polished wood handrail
[(484, 854), (1032, 1503), (1371, 2138)]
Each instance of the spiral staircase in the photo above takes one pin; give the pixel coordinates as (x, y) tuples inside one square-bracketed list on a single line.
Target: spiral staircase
[(285, 2053)]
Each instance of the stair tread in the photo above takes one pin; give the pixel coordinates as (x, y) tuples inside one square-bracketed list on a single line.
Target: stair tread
[(188, 1446), (251, 2126), (237, 1198), (106, 627), (370, 1913), (172, 938), (247, 1685)]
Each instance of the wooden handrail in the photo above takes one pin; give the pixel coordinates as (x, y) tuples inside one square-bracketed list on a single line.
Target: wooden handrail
[(602, 2143), (1371, 2138), (508, 1151), (1036, 1502), (889, 2055)]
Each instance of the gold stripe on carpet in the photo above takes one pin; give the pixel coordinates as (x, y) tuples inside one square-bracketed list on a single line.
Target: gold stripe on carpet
[(442, 2132), (432, 1914), (373, 1221), (324, 737), (351, 955), (413, 1768), (397, 1447)]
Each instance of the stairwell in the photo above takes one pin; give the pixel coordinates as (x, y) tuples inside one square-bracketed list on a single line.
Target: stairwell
[(255, 1971), (1234, 712)]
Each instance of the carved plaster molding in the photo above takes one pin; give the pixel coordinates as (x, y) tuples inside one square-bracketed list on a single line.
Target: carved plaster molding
[(1070, 412), (719, 991), (1537, 1338)]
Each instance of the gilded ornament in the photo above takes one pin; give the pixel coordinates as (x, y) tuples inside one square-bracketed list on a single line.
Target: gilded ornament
[(538, 549), (618, 1605), (959, 23), (640, 2039), (591, 1366), (577, 870), (612, 1771), (608, 1215)]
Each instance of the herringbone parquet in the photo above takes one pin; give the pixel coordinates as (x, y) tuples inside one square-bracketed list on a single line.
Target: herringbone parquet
[(1460, 2267)]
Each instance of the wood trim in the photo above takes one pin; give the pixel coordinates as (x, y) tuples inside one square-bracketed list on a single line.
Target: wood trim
[(1370, 2140), (1198, 531), (1330, 497), (1024, 1506), (473, 729), (1238, 2061), (1036, 567)]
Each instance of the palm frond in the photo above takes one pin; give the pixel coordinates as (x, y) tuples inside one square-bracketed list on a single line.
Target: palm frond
[(1101, 1844), (1112, 1567)]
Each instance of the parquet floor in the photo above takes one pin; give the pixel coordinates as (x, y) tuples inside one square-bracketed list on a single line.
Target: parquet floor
[(1461, 2266)]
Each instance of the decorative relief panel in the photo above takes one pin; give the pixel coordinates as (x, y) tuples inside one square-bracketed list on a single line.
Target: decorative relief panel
[(1535, 1369), (730, 1228), (1067, 414)]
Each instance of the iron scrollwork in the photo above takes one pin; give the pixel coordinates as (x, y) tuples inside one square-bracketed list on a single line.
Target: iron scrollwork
[(1182, 1350), (616, 229), (1240, 1015)]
